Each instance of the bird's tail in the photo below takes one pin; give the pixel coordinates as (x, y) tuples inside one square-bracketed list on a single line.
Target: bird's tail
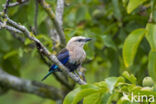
[(47, 75)]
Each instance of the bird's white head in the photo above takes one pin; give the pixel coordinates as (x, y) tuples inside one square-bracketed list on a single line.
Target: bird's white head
[(77, 41)]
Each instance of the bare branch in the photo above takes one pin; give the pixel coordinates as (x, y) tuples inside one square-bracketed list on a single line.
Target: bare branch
[(52, 16), (59, 14), (17, 3), (10, 28), (33, 87), (6, 6), (59, 11), (45, 51)]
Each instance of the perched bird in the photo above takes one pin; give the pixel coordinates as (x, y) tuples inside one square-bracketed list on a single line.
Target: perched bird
[(72, 55)]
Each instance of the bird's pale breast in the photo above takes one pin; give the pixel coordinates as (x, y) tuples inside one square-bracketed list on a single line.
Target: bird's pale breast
[(77, 55)]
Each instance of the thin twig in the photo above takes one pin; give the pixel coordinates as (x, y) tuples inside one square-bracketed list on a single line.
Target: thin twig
[(53, 32), (6, 6), (17, 3), (10, 28), (35, 17)]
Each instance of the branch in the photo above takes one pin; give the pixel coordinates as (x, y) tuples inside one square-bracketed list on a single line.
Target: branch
[(35, 17), (33, 87), (45, 51), (52, 32), (10, 28), (51, 14), (17, 3), (6, 6), (59, 11)]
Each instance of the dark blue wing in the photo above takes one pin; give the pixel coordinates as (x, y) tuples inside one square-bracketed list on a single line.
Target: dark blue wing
[(63, 57)]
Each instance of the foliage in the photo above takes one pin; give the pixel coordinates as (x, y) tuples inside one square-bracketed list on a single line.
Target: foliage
[(113, 89)]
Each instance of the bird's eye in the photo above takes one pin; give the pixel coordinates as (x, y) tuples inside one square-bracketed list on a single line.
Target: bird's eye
[(80, 40)]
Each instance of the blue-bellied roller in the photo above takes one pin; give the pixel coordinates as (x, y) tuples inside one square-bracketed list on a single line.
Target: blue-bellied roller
[(72, 55)]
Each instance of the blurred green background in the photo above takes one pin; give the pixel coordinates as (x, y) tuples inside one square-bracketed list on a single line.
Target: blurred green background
[(106, 21)]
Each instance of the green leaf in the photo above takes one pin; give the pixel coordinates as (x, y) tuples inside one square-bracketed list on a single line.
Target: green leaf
[(27, 41), (20, 52), (105, 97), (133, 4), (9, 54), (101, 84), (129, 77), (151, 35), (152, 65), (124, 100), (116, 9), (83, 93), (92, 99), (71, 96), (80, 14), (42, 36), (33, 52), (109, 42), (111, 81), (153, 7), (131, 45), (41, 16), (12, 65), (4, 46), (90, 51), (2, 2), (125, 2), (31, 11)]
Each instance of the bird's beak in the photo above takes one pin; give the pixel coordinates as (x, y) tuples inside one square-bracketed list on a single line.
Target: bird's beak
[(88, 39)]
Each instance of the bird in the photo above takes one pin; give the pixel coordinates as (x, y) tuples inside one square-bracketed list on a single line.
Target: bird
[(72, 56)]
